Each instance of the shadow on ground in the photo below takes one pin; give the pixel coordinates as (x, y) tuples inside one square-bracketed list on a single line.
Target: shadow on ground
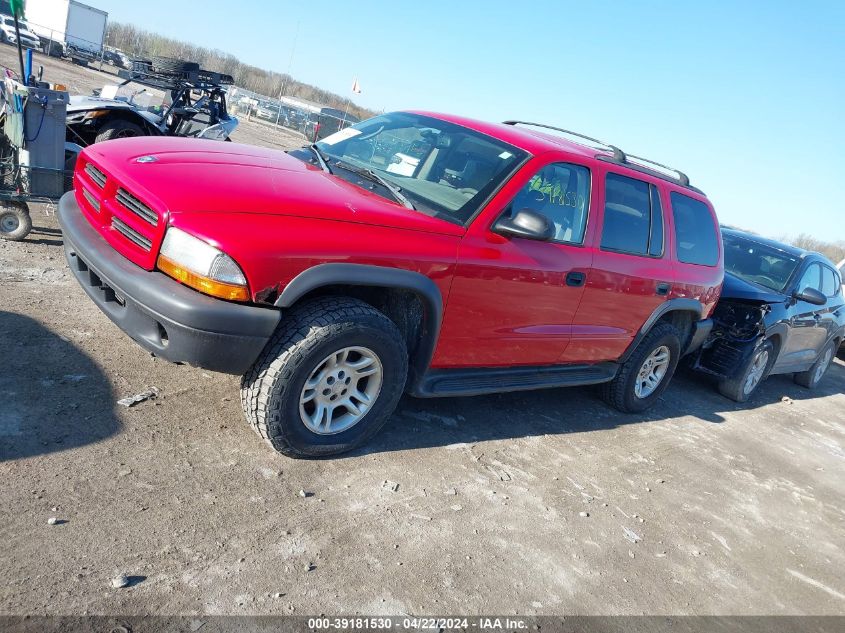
[(444, 421), (53, 397)]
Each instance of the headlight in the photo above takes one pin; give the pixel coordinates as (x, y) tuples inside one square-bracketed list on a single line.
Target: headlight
[(199, 265)]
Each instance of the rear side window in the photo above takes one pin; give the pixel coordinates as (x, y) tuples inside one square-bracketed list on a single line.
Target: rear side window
[(633, 217), (696, 238)]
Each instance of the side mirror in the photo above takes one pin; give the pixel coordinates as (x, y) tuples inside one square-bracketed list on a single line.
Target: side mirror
[(811, 295), (527, 224)]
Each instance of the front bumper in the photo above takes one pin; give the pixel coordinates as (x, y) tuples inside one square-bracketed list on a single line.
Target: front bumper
[(161, 315)]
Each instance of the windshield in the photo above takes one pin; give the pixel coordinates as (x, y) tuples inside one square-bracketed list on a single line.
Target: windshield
[(445, 170), (760, 264)]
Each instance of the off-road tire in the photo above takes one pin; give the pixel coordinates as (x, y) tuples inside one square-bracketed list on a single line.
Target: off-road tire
[(619, 392), (118, 128), (840, 353), (142, 66), (270, 390), (17, 215), (808, 378), (734, 388), (171, 66)]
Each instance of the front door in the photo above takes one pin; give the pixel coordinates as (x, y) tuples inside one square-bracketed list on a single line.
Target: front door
[(807, 333), (513, 299)]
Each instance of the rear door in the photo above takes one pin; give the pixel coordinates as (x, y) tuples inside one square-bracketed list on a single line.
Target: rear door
[(631, 272)]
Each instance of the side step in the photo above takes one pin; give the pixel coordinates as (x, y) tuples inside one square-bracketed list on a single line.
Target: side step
[(483, 380)]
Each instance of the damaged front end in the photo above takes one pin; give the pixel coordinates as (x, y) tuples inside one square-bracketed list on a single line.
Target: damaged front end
[(738, 328)]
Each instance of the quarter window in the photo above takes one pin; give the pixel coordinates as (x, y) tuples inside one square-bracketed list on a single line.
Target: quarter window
[(633, 217), (561, 192), (696, 238)]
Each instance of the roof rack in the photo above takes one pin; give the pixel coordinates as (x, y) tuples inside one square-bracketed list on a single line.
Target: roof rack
[(618, 155)]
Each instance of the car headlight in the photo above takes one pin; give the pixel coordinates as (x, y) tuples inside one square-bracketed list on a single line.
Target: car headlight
[(199, 265)]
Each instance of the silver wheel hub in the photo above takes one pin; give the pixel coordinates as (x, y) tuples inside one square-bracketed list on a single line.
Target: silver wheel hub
[(9, 223), (828, 356), (652, 372), (755, 375), (340, 390)]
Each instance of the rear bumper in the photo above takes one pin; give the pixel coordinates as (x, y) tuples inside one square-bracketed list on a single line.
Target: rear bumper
[(161, 315)]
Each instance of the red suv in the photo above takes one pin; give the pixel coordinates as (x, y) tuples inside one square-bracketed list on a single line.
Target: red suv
[(412, 252)]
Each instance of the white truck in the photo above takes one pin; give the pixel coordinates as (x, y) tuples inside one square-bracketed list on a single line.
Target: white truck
[(68, 28)]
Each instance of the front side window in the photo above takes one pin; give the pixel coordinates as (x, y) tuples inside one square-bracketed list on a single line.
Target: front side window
[(812, 278), (829, 286), (696, 237), (633, 217), (445, 170), (561, 192)]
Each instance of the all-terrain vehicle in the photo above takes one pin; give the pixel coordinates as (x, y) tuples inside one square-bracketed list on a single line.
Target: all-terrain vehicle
[(192, 103), (507, 258)]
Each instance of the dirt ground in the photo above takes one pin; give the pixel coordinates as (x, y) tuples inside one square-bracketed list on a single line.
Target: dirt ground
[(533, 503)]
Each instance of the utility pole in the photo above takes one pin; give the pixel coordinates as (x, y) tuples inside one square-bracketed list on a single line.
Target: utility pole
[(284, 82)]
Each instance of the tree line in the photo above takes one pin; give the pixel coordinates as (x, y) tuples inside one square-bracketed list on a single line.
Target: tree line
[(138, 43)]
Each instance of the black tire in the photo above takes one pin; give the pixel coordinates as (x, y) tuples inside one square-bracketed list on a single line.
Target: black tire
[(15, 223), (271, 389), (620, 393), (840, 354), (170, 66), (735, 388), (142, 66), (813, 376), (118, 128)]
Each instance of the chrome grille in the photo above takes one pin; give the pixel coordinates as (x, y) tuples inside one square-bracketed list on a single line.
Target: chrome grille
[(130, 202), (96, 175), (131, 234), (95, 204)]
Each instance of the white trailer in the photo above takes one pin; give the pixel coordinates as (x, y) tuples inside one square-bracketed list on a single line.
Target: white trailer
[(67, 27)]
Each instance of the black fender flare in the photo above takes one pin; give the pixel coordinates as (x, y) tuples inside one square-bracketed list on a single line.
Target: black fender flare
[(380, 277), (672, 305)]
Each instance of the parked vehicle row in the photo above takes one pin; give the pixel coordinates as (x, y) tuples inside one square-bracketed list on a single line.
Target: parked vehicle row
[(434, 255)]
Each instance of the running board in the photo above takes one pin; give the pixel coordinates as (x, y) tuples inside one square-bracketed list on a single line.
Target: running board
[(477, 381)]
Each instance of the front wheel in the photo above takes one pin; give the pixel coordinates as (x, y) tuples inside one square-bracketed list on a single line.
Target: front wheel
[(15, 222), (741, 388), (118, 129), (647, 372), (328, 380), (813, 376)]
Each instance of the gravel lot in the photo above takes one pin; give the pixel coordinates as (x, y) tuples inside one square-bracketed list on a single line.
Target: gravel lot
[(533, 503)]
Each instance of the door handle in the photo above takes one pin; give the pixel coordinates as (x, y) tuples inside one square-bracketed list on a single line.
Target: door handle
[(575, 279), (662, 289)]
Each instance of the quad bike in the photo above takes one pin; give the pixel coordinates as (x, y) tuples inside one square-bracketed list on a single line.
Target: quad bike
[(194, 106)]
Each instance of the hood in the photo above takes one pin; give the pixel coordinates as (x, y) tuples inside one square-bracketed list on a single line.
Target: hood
[(82, 103), (736, 288), (204, 176)]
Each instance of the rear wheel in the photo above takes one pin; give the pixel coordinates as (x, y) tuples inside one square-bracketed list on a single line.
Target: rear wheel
[(118, 129), (328, 380), (756, 369), (15, 223), (813, 376), (647, 372)]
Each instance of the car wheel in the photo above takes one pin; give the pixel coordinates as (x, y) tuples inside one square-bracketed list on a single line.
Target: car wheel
[(813, 376), (118, 129), (756, 369), (646, 374), (328, 380), (15, 223)]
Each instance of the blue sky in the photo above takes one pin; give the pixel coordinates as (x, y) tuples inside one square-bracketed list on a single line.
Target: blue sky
[(748, 98)]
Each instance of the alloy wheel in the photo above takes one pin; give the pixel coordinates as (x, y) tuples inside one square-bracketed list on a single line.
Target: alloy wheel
[(652, 372), (758, 368)]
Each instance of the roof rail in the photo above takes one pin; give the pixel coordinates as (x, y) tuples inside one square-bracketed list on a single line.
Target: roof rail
[(618, 155)]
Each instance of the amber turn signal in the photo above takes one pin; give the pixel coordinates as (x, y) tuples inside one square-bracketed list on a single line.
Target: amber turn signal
[(205, 285)]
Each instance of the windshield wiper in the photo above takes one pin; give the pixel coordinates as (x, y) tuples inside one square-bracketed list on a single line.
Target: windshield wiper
[(374, 176), (321, 158)]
